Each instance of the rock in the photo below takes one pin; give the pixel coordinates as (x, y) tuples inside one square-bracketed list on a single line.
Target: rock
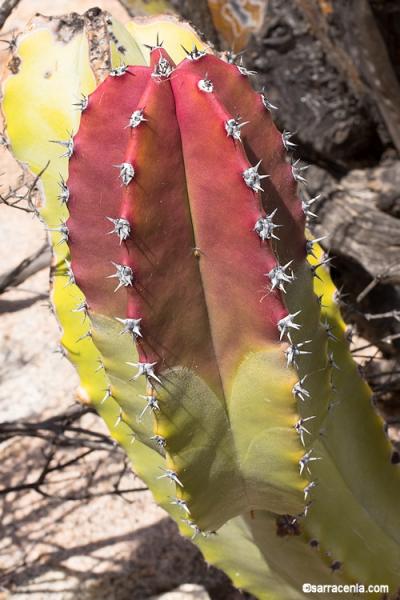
[(187, 591)]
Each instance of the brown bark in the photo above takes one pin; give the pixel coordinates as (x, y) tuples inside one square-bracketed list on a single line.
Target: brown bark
[(6, 8)]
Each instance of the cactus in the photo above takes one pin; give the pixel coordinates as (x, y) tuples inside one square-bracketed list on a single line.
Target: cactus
[(201, 321)]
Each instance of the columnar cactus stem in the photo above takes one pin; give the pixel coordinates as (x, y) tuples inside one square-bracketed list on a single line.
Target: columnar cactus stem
[(195, 326), (212, 339)]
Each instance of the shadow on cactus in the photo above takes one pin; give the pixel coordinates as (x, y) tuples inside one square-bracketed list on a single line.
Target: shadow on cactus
[(201, 322)]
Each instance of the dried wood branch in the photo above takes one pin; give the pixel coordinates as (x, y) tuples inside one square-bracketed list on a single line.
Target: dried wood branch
[(6, 8), (66, 443), (26, 268)]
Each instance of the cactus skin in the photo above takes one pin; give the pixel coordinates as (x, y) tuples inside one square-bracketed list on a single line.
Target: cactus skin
[(212, 339), (209, 433)]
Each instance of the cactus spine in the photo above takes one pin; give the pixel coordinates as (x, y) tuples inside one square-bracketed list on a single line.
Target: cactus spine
[(180, 238)]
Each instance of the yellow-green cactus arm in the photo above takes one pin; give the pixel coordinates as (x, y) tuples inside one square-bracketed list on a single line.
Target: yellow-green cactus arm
[(175, 35)]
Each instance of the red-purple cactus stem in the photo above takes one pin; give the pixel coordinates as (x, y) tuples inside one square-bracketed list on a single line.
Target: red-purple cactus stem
[(178, 189)]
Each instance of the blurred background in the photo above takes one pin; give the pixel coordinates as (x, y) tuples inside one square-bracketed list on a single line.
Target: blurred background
[(75, 522)]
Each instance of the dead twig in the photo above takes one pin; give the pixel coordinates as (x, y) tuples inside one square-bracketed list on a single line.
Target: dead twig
[(62, 435), (391, 314), (26, 268), (381, 278), (6, 8), (15, 199)]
